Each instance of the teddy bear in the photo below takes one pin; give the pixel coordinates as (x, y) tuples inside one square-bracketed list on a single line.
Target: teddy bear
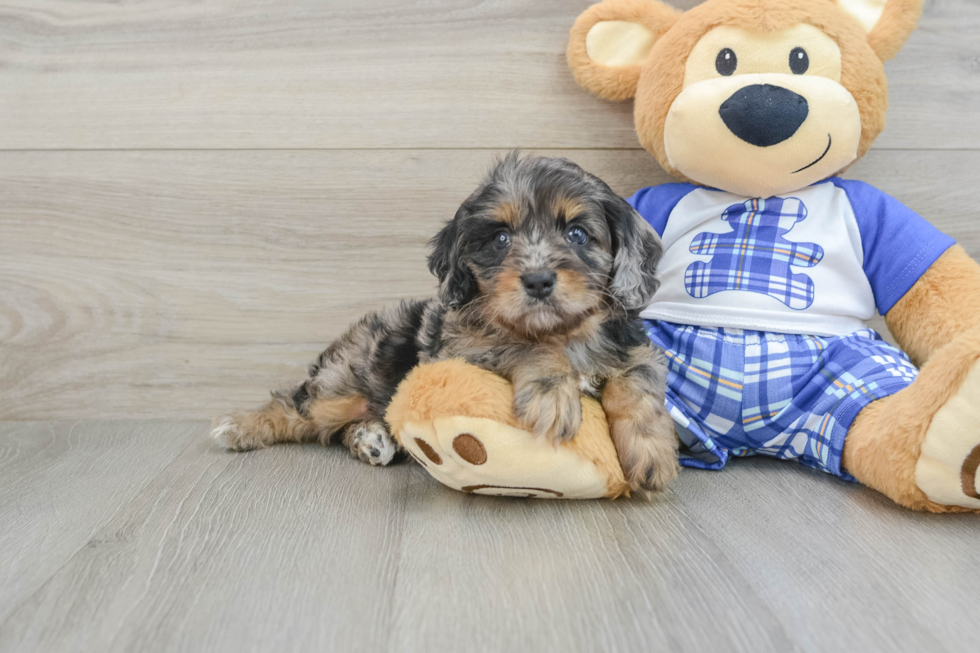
[(772, 266)]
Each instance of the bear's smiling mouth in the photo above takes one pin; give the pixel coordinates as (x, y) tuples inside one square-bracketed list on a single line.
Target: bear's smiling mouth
[(815, 162)]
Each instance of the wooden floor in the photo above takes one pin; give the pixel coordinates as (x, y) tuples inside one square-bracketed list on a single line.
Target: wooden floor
[(141, 536), (196, 195)]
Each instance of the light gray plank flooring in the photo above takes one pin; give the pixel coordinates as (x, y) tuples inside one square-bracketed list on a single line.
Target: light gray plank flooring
[(179, 284), (60, 483), (301, 548), (225, 552), (589, 576), (372, 74), (841, 566)]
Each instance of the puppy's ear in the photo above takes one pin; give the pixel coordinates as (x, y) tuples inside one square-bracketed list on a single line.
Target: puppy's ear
[(636, 250), (887, 23), (457, 285), (610, 41)]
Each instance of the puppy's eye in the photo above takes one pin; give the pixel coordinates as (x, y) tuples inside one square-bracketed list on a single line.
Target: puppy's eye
[(799, 61), (501, 240), (726, 62), (577, 236)]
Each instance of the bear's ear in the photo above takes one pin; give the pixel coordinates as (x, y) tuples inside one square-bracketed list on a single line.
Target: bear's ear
[(888, 23), (610, 41)]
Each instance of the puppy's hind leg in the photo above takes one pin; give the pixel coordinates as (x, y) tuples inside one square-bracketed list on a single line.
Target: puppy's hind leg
[(292, 417)]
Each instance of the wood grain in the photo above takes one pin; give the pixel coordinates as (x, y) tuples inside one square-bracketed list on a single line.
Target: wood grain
[(484, 573), (291, 549), (61, 483), (179, 284), (300, 548), (373, 74), (842, 567)]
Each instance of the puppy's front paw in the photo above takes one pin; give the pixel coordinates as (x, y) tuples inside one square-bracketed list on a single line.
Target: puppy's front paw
[(550, 409), (647, 454)]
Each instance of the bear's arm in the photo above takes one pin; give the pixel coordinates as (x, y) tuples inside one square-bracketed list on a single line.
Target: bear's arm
[(941, 305)]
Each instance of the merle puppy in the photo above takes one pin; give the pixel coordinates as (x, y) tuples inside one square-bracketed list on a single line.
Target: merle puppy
[(542, 274)]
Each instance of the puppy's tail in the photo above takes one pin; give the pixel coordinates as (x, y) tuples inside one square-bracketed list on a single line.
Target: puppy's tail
[(289, 417)]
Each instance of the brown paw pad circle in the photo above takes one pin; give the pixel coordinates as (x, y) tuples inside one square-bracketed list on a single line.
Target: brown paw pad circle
[(968, 474), (429, 452), (470, 449)]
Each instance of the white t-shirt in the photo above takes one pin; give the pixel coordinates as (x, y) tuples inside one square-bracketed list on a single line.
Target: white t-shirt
[(816, 261)]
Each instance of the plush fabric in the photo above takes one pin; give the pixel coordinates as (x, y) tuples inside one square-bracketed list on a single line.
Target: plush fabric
[(455, 419), (892, 30), (942, 304), (608, 82), (862, 72)]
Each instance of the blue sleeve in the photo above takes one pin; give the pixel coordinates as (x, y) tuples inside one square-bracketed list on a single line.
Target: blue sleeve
[(655, 203), (899, 245)]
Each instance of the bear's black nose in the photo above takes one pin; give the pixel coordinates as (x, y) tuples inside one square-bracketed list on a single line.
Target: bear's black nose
[(763, 114), (539, 284)]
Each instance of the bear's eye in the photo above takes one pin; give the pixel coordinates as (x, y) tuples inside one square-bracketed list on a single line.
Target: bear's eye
[(577, 236), (799, 61), (501, 240), (726, 62)]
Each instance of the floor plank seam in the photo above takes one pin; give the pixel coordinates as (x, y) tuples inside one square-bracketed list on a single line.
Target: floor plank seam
[(398, 549)]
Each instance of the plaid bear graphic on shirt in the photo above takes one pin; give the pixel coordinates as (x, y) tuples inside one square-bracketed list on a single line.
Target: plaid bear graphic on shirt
[(755, 256)]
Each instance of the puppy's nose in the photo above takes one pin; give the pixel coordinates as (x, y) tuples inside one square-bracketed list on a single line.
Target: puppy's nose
[(539, 284), (763, 114)]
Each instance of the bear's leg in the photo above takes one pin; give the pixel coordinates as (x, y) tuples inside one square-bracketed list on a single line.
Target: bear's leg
[(921, 446)]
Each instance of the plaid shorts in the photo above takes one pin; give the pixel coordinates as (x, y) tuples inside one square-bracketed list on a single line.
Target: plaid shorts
[(746, 393)]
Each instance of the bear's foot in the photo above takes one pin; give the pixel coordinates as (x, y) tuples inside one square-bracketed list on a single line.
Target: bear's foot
[(921, 446), (481, 456), (947, 468)]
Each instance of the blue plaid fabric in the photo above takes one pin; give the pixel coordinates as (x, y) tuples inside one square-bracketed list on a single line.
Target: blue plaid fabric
[(745, 393), (755, 256)]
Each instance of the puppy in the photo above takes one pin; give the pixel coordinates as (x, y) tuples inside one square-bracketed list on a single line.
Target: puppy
[(542, 274)]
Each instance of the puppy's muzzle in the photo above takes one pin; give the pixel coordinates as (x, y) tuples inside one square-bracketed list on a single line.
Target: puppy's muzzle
[(539, 284)]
